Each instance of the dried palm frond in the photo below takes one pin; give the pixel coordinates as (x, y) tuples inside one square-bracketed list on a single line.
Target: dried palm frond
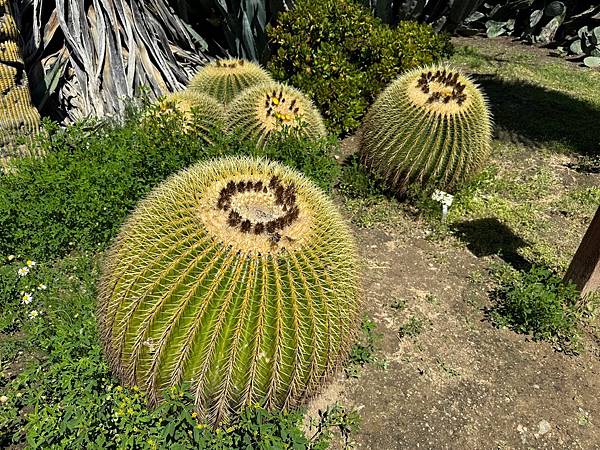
[(86, 57)]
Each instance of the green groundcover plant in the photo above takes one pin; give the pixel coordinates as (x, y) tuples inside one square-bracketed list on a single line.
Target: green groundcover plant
[(341, 56), (56, 391), (77, 196), (539, 303)]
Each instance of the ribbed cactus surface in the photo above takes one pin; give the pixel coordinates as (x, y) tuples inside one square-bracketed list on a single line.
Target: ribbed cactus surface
[(266, 109), (202, 114), (237, 276), (224, 79), (18, 117), (430, 126)]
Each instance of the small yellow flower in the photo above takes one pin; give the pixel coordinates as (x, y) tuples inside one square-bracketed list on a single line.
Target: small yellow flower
[(119, 389), (194, 414), (275, 100), (136, 388), (31, 263)]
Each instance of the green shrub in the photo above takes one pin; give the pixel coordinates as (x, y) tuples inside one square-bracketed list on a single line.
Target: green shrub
[(341, 56), (94, 173), (64, 398), (539, 303)]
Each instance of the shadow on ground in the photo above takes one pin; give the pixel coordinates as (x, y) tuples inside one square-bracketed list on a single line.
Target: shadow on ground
[(536, 116), (489, 236)]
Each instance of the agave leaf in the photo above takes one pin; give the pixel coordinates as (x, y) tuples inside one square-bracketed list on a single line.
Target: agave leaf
[(535, 17), (549, 31), (592, 61), (494, 28), (583, 31), (575, 47), (595, 36)]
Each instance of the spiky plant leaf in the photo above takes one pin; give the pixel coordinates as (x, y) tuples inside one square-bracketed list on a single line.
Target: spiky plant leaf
[(202, 114), (430, 126), (238, 276), (268, 108), (224, 79)]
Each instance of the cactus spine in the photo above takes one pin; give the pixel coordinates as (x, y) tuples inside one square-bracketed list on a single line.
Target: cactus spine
[(268, 108), (201, 113), (430, 126), (18, 116), (225, 79), (238, 276)]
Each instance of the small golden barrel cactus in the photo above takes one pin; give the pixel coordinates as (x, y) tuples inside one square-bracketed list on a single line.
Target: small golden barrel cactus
[(237, 276), (224, 79), (431, 126), (265, 109), (202, 114), (18, 117)]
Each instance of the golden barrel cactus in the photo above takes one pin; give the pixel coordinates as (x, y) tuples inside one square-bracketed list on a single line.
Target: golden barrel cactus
[(18, 117), (266, 109), (201, 113), (430, 126), (237, 276), (224, 79)]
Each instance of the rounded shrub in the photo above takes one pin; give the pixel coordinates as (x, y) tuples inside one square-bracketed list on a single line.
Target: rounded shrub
[(431, 126), (237, 276), (200, 113), (268, 108), (224, 79), (341, 56)]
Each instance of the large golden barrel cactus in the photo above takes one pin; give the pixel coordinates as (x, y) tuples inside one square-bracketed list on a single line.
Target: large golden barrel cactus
[(202, 114), (18, 117), (266, 109), (430, 126), (224, 79), (237, 276)]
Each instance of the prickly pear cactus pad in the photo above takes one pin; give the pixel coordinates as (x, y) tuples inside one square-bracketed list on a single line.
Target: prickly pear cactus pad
[(430, 126), (202, 114), (224, 79), (265, 109), (237, 276)]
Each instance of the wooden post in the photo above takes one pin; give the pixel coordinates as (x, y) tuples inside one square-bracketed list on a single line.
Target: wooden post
[(584, 269)]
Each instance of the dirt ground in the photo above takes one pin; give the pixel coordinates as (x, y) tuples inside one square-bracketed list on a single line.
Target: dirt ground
[(459, 383)]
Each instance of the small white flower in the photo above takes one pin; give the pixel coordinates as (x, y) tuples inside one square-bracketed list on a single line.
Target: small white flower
[(33, 314), (3, 399), (23, 271), (10, 257), (42, 287), (26, 299), (31, 263)]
